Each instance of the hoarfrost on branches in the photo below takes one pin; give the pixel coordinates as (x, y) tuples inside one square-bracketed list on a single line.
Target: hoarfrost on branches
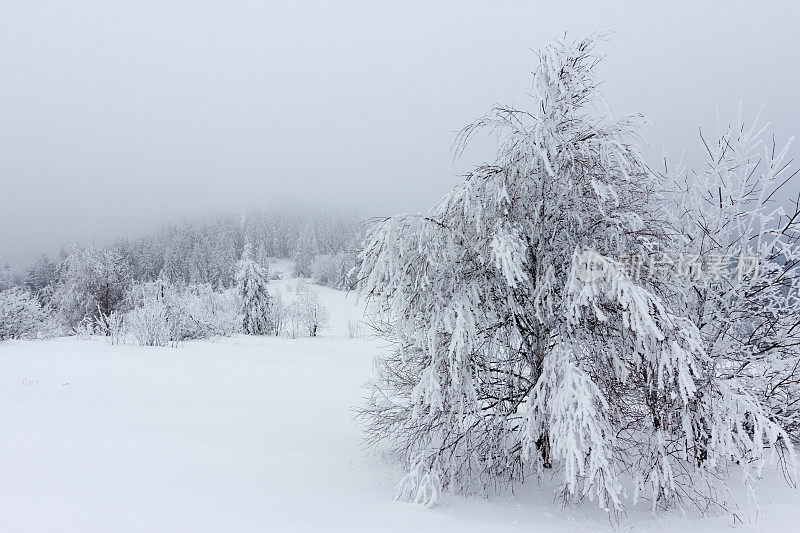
[(22, 316), (508, 360), (744, 296)]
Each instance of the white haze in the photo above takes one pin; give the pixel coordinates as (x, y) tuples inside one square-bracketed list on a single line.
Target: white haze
[(118, 116)]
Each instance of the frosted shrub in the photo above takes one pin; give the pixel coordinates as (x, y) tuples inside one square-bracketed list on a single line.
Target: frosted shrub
[(209, 313), (110, 326), (188, 311), (84, 330), (312, 314), (156, 316), (510, 360), (305, 316), (22, 317), (150, 325)]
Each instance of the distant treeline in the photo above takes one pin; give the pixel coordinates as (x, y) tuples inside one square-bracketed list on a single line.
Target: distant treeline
[(86, 282), (206, 250)]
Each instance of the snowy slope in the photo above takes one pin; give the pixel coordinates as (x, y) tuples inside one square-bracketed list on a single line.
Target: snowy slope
[(344, 307), (241, 434)]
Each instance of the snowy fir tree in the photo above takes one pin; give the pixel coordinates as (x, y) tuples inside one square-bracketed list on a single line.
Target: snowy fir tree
[(41, 278), (523, 342), (304, 251), (252, 280)]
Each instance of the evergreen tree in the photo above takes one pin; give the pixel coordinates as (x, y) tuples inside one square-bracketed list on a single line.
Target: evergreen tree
[(303, 254), (41, 279), (252, 281), (262, 257)]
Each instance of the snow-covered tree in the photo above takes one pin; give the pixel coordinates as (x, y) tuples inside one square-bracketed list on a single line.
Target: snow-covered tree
[(261, 255), (523, 342), (22, 316), (41, 279), (312, 313), (278, 313), (227, 250), (293, 326), (201, 269), (252, 280), (92, 281), (303, 254), (177, 266), (730, 221)]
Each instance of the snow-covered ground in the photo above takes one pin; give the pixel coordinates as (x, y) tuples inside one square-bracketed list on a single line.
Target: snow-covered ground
[(243, 434)]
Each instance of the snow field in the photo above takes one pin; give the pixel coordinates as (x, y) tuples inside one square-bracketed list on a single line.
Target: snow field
[(243, 434)]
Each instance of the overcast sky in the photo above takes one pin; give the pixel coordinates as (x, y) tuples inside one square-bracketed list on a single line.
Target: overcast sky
[(118, 116)]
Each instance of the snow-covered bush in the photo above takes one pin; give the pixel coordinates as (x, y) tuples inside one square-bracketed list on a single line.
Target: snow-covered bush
[(311, 312), (84, 330), (252, 282), (110, 326), (211, 313), (155, 315), (22, 316), (175, 312), (304, 316), (512, 357), (151, 324)]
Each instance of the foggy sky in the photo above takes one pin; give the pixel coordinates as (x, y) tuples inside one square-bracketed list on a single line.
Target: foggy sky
[(118, 116)]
